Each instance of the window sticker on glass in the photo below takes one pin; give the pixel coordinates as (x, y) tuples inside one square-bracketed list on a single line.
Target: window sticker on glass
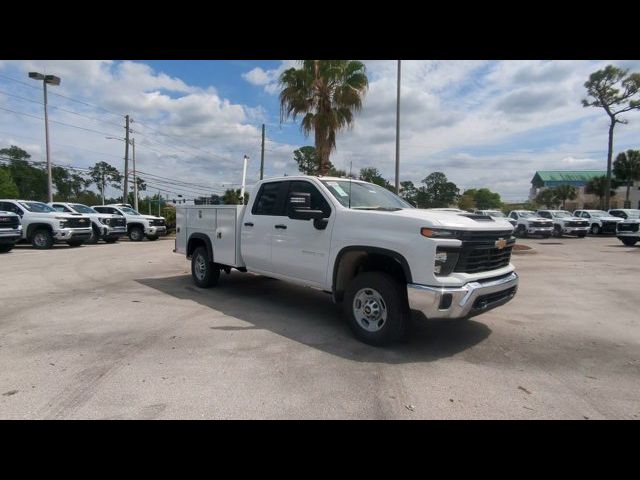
[(338, 189)]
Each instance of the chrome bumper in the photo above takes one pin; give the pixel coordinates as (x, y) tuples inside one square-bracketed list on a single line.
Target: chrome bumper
[(469, 300)]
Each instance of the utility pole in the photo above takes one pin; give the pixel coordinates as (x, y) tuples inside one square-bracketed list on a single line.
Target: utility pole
[(135, 178), (398, 134), (159, 198), (262, 155), (126, 161), (149, 198), (103, 187)]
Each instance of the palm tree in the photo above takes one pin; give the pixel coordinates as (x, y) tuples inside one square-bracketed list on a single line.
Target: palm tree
[(598, 186), (565, 192), (327, 93), (626, 168)]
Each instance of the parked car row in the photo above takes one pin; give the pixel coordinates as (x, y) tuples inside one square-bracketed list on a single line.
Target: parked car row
[(43, 224)]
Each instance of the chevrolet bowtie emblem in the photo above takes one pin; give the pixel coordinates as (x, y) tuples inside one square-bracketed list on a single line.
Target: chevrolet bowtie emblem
[(501, 243)]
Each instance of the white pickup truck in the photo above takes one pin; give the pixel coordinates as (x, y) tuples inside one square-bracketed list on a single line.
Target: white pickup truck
[(10, 230), (105, 226), (43, 226), (359, 242), (138, 225)]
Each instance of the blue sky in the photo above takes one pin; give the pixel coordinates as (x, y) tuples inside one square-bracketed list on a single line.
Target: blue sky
[(482, 123)]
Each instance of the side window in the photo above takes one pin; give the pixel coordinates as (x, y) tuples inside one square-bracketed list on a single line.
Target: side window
[(269, 200), (514, 215), (59, 208), (318, 202), (586, 215), (10, 207)]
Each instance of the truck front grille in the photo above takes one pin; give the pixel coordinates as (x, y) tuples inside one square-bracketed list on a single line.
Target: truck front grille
[(9, 221), (80, 222), (156, 223), (609, 227), (539, 224), (578, 224), (628, 227), (117, 222)]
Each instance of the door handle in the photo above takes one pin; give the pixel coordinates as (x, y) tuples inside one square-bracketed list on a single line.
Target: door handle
[(248, 224), (283, 227)]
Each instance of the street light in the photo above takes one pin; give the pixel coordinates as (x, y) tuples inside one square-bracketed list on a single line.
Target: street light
[(135, 182), (51, 80)]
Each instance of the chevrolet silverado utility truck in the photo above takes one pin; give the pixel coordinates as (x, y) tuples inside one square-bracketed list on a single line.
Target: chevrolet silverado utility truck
[(42, 226), (367, 247)]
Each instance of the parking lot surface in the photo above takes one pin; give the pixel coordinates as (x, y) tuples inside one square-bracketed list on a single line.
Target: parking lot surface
[(120, 332)]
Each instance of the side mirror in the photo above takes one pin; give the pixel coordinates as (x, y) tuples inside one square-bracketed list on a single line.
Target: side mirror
[(299, 207)]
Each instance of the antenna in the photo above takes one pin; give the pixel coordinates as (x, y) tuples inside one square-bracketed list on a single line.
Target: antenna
[(350, 168)]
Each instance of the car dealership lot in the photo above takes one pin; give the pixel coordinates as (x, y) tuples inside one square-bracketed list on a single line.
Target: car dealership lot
[(119, 331)]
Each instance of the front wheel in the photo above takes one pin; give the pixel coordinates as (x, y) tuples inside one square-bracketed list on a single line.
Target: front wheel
[(629, 242), (557, 231), (136, 234), (5, 248), (521, 231), (376, 308), (111, 239), (75, 243), (42, 239), (582, 235), (595, 229), (152, 237), (93, 239), (205, 274)]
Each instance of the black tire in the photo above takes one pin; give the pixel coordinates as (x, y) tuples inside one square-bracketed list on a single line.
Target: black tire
[(520, 231), (95, 236), (75, 243), (205, 274), (111, 239), (557, 231), (5, 248), (629, 242), (582, 235), (546, 235), (595, 229), (152, 237), (136, 234), (387, 295), (42, 239)]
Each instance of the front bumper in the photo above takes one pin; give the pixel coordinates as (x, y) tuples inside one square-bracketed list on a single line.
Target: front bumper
[(10, 236), (467, 301), (540, 230), (66, 234), (156, 231), (575, 230), (115, 232)]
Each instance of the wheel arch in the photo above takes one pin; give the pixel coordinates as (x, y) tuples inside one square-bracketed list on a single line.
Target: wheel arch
[(199, 239), (37, 226), (353, 259)]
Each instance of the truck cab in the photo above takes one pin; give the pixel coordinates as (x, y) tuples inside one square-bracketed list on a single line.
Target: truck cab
[(10, 230), (371, 250), (43, 226), (139, 226), (104, 226)]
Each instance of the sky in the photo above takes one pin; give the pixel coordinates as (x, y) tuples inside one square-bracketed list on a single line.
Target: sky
[(482, 123)]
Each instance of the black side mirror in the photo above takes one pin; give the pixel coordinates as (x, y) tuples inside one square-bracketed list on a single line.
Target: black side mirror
[(299, 207)]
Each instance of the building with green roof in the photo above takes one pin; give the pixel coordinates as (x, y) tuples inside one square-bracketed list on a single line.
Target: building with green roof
[(553, 178)]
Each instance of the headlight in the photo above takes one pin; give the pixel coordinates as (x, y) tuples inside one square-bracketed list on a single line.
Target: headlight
[(437, 233), (445, 262), (63, 221), (105, 221)]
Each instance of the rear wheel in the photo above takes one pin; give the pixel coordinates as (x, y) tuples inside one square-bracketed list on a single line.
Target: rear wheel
[(629, 242), (205, 274), (377, 309), (136, 234), (42, 239), (595, 229), (5, 248)]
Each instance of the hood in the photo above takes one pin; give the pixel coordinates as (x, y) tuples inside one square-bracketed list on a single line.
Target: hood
[(461, 221), (152, 217), (573, 219), (609, 218)]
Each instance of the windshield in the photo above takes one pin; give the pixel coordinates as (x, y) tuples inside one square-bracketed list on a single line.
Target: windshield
[(80, 208), (599, 213), (561, 214), (495, 213), (129, 211), (632, 213), (527, 214), (364, 196), (38, 207)]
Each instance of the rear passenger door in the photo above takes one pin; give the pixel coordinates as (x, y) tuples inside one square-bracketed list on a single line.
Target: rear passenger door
[(260, 223)]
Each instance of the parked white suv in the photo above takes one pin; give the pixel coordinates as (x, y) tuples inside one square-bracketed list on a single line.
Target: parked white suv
[(138, 225), (565, 223), (10, 230), (105, 226), (42, 225), (530, 223), (628, 230), (599, 221)]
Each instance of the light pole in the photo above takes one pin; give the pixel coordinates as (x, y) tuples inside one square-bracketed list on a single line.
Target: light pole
[(398, 134), (135, 181), (51, 80)]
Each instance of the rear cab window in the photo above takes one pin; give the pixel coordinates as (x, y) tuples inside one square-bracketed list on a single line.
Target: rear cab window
[(270, 199)]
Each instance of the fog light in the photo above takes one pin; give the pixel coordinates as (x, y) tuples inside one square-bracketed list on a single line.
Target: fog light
[(445, 301)]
